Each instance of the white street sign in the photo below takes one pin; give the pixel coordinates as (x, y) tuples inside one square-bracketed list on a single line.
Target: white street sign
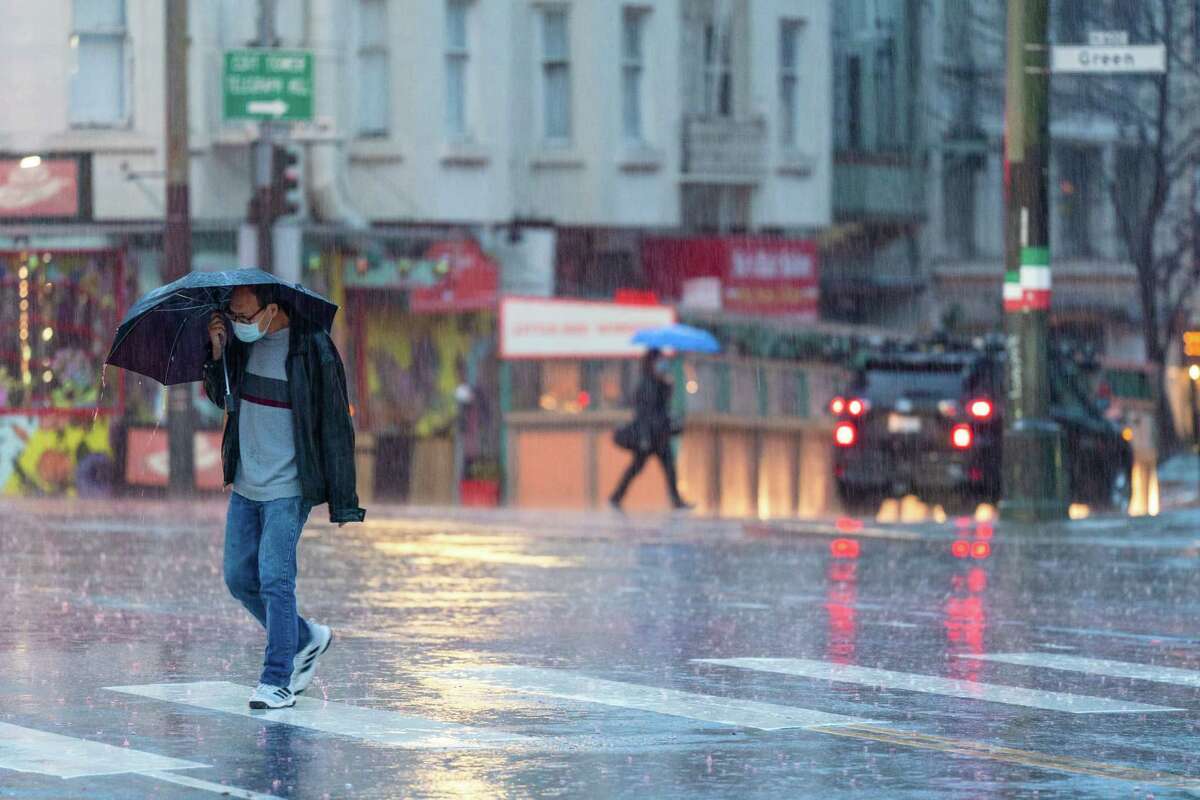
[(1109, 58), (1100, 38)]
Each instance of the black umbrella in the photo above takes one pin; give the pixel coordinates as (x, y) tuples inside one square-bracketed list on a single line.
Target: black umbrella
[(164, 335)]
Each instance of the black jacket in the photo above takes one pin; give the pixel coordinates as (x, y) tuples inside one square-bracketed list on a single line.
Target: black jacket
[(324, 435), (652, 412)]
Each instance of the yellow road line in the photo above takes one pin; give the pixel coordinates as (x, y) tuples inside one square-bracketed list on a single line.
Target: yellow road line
[(1009, 755)]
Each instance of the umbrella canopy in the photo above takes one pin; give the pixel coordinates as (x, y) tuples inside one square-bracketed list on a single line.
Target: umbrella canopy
[(680, 337), (165, 334)]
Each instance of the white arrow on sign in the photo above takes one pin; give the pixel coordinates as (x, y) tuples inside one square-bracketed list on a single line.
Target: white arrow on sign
[(275, 108)]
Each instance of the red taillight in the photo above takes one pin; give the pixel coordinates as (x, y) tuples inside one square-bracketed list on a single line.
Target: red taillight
[(856, 406), (837, 405), (845, 434), (981, 550), (960, 549), (962, 437), (981, 409)]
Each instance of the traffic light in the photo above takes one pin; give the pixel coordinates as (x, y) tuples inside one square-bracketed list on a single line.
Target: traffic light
[(287, 171)]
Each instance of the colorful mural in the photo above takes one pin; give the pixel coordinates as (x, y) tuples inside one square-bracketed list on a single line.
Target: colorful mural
[(55, 455)]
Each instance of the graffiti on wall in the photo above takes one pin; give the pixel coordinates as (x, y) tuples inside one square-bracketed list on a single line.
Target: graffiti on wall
[(55, 455)]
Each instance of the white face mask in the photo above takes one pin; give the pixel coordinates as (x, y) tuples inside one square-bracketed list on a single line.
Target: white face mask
[(249, 332)]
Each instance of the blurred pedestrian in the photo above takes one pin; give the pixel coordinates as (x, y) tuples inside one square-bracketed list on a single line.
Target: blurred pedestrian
[(651, 430), (288, 446)]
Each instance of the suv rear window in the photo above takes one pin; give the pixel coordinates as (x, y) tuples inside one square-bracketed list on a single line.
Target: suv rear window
[(885, 385)]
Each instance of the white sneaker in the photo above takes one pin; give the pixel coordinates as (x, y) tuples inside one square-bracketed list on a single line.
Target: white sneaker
[(304, 667), (267, 696)]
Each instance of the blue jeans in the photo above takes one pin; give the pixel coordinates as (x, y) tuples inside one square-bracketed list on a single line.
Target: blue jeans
[(260, 571)]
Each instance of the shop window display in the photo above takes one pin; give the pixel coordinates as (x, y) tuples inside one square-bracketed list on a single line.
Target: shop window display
[(57, 312)]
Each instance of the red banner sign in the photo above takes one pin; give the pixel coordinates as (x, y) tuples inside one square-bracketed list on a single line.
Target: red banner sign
[(471, 282), (758, 275), (37, 187)]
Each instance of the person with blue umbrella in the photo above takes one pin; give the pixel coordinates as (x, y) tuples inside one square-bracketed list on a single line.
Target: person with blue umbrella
[(288, 443), (651, 430)]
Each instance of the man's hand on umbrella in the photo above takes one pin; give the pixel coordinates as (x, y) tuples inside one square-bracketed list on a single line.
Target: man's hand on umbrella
[(217, 335)]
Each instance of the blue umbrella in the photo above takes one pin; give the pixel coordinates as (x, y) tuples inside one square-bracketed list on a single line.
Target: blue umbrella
[(680, 337), (164, 335)]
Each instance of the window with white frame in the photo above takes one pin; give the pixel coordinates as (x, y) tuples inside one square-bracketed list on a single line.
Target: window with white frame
[(718, 72), (458, 61), (789, 80), (633, 26), (99, 94), (556, 75), (374, 86)]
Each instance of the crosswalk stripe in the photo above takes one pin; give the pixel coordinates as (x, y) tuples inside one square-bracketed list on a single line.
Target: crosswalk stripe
[(932, 684), (1097, 666), (30, 750), (370, 724), (44, 753), (672, 702)]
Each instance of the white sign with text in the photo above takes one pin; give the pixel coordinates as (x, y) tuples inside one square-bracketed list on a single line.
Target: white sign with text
[(535, 327)]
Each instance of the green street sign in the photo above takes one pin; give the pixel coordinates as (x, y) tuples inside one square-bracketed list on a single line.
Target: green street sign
[(268, 84)]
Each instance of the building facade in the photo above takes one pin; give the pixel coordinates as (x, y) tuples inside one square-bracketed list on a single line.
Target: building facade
[(919, 125), (458, 149)]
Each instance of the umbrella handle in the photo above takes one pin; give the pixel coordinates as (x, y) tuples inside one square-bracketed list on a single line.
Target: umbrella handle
[(225, 368)]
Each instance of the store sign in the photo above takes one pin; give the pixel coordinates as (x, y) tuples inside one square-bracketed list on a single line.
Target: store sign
[(470, 280), (536, 327), (33, 187), (758, 276), (147, 458)]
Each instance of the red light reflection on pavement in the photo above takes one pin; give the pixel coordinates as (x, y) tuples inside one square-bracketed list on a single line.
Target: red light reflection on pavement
[(841, 595), (965, 612)]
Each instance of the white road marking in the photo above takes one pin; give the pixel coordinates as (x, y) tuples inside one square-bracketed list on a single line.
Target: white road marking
[(932, 684), (209, 786), (370, 724), (44, 753), (672, 702), (30, 750), (1098, 666)]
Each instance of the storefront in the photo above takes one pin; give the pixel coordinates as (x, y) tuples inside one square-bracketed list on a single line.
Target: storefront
[(421, 317), (58, 309), (756, 440)]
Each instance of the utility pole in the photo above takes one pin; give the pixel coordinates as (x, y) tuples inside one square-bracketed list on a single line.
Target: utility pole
[(177, 238), (1034, 481), (264, 218)]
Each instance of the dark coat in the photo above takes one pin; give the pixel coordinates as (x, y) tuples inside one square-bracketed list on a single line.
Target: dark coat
[(324, 434), (652, 412)]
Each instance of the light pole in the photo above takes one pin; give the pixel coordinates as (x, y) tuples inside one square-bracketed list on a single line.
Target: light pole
[(1033, 484)]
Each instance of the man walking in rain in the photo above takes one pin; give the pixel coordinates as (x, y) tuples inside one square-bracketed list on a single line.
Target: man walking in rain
[(288, 446)]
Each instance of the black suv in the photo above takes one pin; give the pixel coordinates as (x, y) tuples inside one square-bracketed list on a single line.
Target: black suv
[(931, 423)]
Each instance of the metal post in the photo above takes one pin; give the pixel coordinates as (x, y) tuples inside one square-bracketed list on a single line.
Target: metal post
[(1033, 475), (177, 238), (262, 152)]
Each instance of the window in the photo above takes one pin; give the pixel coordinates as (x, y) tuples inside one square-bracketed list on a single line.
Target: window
[(887, 133), (458, 59), (98, 89), (374, 88), (959, 181), (556, 76), (854, 103), (632, 69), (1076, 195), (789, 45), (718, 73)]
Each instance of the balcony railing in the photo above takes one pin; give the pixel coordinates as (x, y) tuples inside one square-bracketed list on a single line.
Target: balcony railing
[(725, 148)]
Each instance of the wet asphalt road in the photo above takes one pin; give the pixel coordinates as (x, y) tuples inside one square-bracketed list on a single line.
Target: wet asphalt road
[(517, 654)]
